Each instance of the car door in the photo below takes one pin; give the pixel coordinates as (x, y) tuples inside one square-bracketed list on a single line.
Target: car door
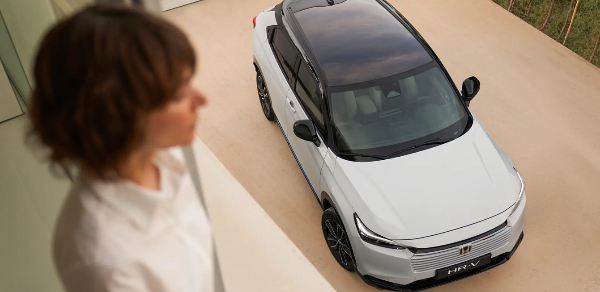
[(304, 102), (282, 56)]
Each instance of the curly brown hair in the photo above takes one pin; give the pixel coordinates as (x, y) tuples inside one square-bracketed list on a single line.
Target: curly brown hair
[(98, 75)]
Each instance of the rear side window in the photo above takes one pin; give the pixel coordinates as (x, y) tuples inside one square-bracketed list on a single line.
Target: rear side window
[(308, 93), (285, 51)]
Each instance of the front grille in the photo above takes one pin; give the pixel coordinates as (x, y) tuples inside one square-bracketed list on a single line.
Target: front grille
[(434, 260)]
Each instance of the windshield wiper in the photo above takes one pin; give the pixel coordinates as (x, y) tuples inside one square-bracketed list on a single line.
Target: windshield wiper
[(430, 142), (362, 155), (381, 157)]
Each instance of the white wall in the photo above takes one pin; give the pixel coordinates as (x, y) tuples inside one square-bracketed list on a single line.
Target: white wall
[(30, 200), (27, 21), (30, 196), (63, 8)]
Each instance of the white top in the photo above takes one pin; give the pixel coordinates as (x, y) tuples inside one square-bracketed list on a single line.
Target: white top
[(118, 236)]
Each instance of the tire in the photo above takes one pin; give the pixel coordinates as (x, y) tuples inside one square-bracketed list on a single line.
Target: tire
[(337, 239), (264, 97)]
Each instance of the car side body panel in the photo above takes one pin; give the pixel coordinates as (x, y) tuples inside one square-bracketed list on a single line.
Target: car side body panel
[(267, 63), (310, 157)]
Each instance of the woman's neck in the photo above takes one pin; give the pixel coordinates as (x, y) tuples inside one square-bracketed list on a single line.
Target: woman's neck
[(140, 169)]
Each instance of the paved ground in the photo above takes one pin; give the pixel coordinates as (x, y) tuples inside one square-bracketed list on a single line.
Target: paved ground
[(540, 101)]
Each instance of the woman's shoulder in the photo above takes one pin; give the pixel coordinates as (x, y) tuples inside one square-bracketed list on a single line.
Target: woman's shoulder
[(87, 230)]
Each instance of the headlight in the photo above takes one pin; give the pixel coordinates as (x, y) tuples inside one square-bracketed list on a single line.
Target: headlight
[(373, 238), (521, 192)]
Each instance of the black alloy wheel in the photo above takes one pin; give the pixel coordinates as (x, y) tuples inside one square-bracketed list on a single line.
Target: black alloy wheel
[(264, 97), (337, 239)]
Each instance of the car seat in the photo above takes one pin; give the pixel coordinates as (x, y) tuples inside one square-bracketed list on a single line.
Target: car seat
[(344, 109), (391, 107)]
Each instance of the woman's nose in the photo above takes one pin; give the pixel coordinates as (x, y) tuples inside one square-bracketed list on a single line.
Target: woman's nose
[(199, 98)]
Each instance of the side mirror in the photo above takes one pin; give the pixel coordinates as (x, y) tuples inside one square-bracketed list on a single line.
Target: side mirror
[(305, 130), (470, 87)]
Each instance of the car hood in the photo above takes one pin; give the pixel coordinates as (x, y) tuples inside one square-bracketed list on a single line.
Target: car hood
[(453, 185)]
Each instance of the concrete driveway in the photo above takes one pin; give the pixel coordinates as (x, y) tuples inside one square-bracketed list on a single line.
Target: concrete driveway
[(539, 100)]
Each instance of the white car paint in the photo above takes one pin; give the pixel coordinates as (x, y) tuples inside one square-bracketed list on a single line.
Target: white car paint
[(309, 156), (432, 191), (431, 198), (276, 82)]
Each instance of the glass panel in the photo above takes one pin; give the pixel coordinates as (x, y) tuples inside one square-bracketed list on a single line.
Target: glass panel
[(286, 52), (365, 42), (9, 107), (12, 65), (397, 110), (307, 91)]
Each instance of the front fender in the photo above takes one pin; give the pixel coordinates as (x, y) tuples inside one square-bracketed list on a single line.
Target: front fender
[(332, 195)]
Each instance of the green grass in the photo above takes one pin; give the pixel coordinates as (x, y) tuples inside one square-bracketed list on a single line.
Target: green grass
[(585, 28)]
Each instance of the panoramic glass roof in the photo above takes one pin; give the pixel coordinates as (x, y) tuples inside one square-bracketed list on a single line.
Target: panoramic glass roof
[(359, 40)]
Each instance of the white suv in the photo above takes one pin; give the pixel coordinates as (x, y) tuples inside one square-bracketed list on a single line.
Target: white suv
[(415, 192)]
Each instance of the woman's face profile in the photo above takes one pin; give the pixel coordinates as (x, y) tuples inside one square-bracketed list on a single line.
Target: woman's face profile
[(175, 124)]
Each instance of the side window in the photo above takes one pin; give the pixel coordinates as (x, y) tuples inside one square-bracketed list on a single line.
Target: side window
[(308, 93), (285, 51)]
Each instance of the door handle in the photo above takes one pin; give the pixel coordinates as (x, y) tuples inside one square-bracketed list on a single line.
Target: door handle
[(291, 105)]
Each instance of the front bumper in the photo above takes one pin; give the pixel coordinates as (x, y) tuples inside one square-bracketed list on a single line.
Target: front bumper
[(395, 269), (432, 282)]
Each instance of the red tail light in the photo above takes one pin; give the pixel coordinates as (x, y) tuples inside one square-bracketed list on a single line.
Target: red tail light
[(254, 21)]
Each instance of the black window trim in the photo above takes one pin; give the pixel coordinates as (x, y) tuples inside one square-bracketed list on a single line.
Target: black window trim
[(292, 82), (324, 136)]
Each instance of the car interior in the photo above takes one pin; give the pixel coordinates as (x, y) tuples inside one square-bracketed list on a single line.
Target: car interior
[(411, 108)]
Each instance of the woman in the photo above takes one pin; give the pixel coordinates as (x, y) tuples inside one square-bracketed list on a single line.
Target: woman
[(113, 96)]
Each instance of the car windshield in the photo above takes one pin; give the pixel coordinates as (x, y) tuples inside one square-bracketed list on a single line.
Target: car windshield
[(383, 116)]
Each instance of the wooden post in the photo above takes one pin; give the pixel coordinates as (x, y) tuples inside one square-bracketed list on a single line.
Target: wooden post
[(566, 20), (571, 24), (528, 10), (595, 48), (510, 5), (548, 16)]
